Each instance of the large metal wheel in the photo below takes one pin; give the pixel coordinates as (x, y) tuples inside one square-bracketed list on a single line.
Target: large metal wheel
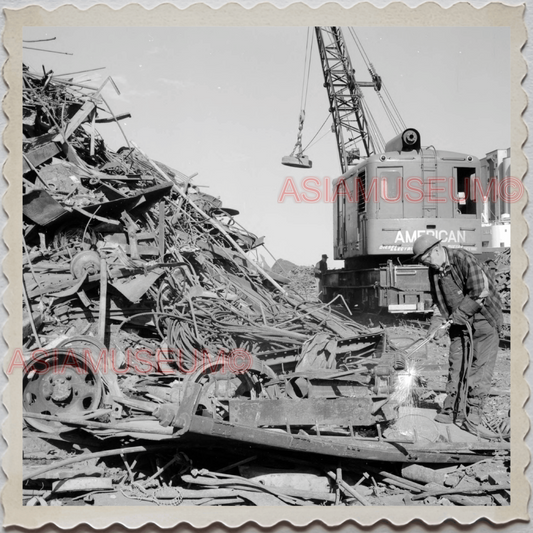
[(59, 383), (86, 262), (91, 346), (83, 342), (222, 383)]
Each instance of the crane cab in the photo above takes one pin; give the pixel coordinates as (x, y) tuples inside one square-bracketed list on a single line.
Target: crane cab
[(382, 205)]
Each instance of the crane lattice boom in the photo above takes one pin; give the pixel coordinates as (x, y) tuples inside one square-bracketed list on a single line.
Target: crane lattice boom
[(345, 97)]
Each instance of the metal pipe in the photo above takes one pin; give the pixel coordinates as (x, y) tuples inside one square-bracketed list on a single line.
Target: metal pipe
[(94, 455)]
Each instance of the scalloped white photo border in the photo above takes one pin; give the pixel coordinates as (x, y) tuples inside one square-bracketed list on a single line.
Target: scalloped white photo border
[(396, 14)]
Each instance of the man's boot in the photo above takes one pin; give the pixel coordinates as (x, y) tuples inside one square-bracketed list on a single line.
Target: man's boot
[(446, 414), (444, 417), (460, 417), (474, 413)]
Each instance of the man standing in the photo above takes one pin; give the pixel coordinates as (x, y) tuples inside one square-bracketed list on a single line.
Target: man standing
[(464, 294), (320, 269)]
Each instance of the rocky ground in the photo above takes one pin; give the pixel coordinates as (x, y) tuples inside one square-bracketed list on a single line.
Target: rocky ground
[(303, 281)]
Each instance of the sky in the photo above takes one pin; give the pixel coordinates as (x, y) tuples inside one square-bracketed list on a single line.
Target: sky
[(225, 102)]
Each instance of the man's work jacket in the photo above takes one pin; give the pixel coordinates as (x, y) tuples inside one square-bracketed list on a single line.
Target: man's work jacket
[(463, 272), (321, 268)]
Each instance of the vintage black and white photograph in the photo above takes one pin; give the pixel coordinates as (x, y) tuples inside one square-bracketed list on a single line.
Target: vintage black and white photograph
[(266, 266)]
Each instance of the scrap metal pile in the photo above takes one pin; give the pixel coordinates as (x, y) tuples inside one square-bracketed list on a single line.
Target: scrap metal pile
[(161, 475), (501, 266), (146, 318)]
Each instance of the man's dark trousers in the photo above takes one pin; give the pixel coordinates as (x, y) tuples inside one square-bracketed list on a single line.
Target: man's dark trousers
[(486, 341)]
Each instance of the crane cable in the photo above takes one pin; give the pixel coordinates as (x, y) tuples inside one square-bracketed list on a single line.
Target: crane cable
[(360, 47), (376, 136), (374, 133), (393, 120), (319, 130), (318, 140), (387, 94), (303, 97), (305, 89), (398, 120), (307, 70)]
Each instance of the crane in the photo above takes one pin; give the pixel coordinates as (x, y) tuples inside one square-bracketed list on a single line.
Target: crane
[(376, 219), (353, 124), (345, 96)]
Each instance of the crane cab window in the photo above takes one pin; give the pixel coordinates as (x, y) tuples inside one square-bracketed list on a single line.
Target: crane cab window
[(391, 192), (464, 180)]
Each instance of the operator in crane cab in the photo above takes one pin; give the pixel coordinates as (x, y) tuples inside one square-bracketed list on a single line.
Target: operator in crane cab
[(466, 305), (320, 269)]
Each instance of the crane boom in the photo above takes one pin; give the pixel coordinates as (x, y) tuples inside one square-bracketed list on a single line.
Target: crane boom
[(345, 97)]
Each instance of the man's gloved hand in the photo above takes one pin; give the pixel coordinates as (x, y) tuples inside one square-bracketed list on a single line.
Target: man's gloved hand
[(436, 327), (460, 318), (469, 307)]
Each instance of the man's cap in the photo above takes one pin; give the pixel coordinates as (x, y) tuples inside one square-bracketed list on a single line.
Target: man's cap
[(423, 244), (324, 255)]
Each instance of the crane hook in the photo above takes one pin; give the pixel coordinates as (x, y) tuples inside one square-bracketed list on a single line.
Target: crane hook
[(297, 159)]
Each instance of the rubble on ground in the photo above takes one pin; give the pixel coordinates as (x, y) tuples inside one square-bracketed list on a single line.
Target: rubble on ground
[(152, 338), (302, 281), (501, 268)]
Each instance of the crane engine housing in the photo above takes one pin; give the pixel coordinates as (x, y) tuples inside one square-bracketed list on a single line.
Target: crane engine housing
[(383, 204)]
